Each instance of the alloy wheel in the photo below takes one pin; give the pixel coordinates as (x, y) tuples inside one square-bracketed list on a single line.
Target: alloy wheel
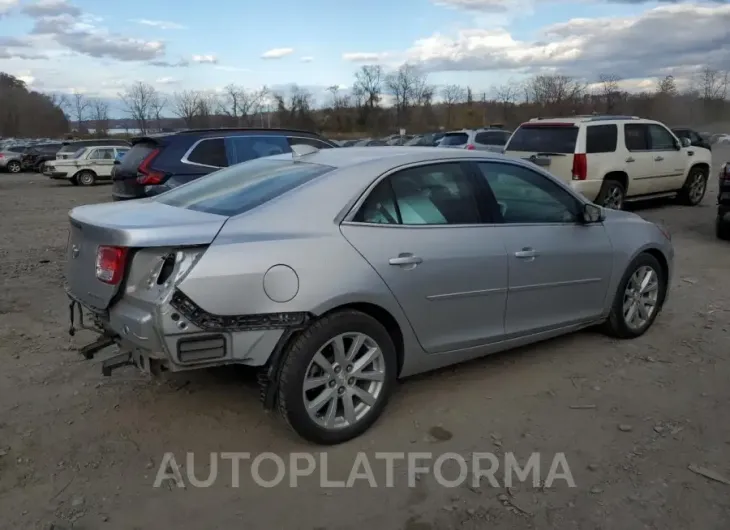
[(344, 380), (14, 167), (641, 297), (614, 198), (697, 187)]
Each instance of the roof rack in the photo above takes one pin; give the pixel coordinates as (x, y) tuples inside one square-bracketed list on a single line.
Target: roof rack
[(612, 117)]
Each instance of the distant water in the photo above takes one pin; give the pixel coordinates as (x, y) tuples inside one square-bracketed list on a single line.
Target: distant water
[(118, 131)]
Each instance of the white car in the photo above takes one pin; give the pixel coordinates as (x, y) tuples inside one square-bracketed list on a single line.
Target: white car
[(86, 166), (491, 139), (614, 159)]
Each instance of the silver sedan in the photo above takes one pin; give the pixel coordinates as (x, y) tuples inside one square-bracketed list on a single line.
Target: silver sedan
[(338, 271)]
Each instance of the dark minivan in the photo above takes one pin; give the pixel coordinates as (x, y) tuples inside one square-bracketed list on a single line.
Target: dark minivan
[(159, 162), (69, 148)]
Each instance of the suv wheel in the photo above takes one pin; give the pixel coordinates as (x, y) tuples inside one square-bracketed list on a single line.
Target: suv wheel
[(612, 195), (14, 166), (694, 188), (336, 377)]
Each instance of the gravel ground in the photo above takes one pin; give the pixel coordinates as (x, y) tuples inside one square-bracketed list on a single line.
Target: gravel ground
[(81, 451)]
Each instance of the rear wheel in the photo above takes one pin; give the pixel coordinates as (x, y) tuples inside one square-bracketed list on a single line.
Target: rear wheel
[(336, 377), (14, 166), (638, 300), (86, 178), (612, 194), (694, 188)]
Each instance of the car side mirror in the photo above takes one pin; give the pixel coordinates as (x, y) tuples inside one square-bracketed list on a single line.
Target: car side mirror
[(592, 213), (685, 142)]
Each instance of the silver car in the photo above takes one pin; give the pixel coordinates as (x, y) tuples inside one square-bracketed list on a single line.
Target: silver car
[(338, 271), (11, 158), (492, 140)]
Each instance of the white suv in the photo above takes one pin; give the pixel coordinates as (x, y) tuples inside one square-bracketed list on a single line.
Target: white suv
[(491, 139), (613, 159)]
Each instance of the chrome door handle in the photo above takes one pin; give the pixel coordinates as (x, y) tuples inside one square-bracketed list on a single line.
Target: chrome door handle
[(526, 253), (630, 159), (405, 260), (659, 159)]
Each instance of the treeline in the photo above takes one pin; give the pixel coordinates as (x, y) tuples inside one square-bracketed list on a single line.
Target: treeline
[(381, 102), (26, 114)]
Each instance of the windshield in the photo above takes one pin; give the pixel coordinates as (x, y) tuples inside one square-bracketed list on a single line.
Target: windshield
[(454, 139), (240, 188), (544, 139)]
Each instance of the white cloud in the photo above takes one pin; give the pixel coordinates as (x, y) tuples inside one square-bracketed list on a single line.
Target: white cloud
[(631, 47), (159, 24), (488, 6), (205, 59), (307, 59), (167, 81), (6, 6), (277, 53), (364, 57)]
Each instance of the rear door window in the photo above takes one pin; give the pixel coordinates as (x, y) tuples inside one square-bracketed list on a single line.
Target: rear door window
[(245, 148), (209, 152), (242, 187), (601, 138), (455, 139), (102, 153), (544, 139), (636, 137)]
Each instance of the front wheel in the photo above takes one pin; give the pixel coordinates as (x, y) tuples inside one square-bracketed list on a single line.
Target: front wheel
[(336, 377), (612, 195), (14, 166), (638, 300), (694, 188)]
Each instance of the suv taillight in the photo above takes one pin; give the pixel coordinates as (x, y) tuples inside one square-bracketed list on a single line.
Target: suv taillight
[(470, 147), (147, 176), (580, 166), (110, 264)]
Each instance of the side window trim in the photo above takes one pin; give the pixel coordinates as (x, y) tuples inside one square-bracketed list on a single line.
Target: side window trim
[(185, 159), (472, 178)]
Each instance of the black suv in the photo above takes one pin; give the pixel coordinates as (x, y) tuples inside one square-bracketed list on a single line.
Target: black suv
[(722, 223), (157, 163), (695, 138), (37, 155)]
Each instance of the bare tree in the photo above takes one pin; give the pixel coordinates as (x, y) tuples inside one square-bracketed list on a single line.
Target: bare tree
[(186, 105), (406, 85), (452, 95), (138, 100), (369, 81), (241, 105), (100, 117), (157, 107), (712, 84), (208, 105), (296, 109), (609, 90), (79, 109), (667, 86), (557, 91)]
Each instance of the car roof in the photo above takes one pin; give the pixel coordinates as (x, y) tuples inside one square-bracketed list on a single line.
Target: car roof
[(397, 155)]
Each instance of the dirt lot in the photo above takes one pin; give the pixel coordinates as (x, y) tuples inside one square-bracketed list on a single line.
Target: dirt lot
[(81, 451)]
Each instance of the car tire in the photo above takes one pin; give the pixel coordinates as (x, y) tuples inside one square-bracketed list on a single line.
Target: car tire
[(86, 178), (618, 324), (14, 166), (694, 188), (612, 194), (722, 229), (299, 367), (73, 180)]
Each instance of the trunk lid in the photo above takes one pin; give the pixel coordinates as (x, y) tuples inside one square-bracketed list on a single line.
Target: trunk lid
[(140, 224), (549, 145)]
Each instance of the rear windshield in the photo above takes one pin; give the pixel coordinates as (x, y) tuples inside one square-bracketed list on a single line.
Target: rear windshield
[(455, 139), (131, 161), (242, 187), (544, 139)]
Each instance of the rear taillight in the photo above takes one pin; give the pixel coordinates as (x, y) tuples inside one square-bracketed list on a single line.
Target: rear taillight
[(147, 176), (470, 147), (580, 166), (2, 155), (110, 264), (724, 172)]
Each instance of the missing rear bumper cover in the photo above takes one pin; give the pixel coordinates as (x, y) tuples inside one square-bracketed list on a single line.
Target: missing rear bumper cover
[(210, 322)]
